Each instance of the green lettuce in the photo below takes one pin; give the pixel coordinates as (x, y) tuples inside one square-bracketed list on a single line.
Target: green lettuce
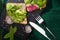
[(15, 12), (11, 33), (40, 3)]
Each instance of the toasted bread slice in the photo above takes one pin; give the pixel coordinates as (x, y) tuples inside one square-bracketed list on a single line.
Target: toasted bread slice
[(9, 21), (24, 22)]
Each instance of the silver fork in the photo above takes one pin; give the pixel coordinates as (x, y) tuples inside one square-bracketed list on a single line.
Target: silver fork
[(40, 20)]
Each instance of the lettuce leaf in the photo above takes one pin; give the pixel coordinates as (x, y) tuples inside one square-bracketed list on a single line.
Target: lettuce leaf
[(40, 3), (11, 33), (27, 1)]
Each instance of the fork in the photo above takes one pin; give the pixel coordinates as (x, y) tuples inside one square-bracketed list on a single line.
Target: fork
[(40, 20)]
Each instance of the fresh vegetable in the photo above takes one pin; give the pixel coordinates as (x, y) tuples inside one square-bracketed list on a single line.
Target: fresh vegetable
[(11, 33), (16, 11), (40, 3), (31, 8), (27, 1)]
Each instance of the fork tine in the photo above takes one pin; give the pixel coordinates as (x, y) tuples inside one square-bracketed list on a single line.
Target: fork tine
[(35, 17), (38, 18)]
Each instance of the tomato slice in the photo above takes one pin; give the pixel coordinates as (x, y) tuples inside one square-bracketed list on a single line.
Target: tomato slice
[(31, 8)]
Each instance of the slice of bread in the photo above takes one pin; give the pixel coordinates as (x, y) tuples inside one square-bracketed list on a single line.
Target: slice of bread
[(22, 7), (9, 21), (24, 22)]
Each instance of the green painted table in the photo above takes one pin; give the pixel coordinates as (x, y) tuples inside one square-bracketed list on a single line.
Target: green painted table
[(51, 15)]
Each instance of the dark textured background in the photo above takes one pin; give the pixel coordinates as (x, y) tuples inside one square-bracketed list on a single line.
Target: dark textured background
[(51, 15)]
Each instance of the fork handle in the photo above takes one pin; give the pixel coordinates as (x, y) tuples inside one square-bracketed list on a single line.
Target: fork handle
[(41, 20), (44, 24)]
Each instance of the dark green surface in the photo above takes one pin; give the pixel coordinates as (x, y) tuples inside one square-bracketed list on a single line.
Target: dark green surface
[(51, 16), (52, 19)]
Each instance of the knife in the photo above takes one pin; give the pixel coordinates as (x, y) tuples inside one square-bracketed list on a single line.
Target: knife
[(39, 29), (41, 21)]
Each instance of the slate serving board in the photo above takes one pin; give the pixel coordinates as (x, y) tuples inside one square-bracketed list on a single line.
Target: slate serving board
[(20, 34)]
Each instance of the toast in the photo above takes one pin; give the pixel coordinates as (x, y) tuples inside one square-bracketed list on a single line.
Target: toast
[(16, 12)]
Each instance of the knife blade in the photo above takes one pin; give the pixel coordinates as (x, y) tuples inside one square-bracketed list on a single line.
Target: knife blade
[(39, 29)]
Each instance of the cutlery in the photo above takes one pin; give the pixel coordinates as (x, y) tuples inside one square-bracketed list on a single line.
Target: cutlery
[(39, 29), (40, 20)]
